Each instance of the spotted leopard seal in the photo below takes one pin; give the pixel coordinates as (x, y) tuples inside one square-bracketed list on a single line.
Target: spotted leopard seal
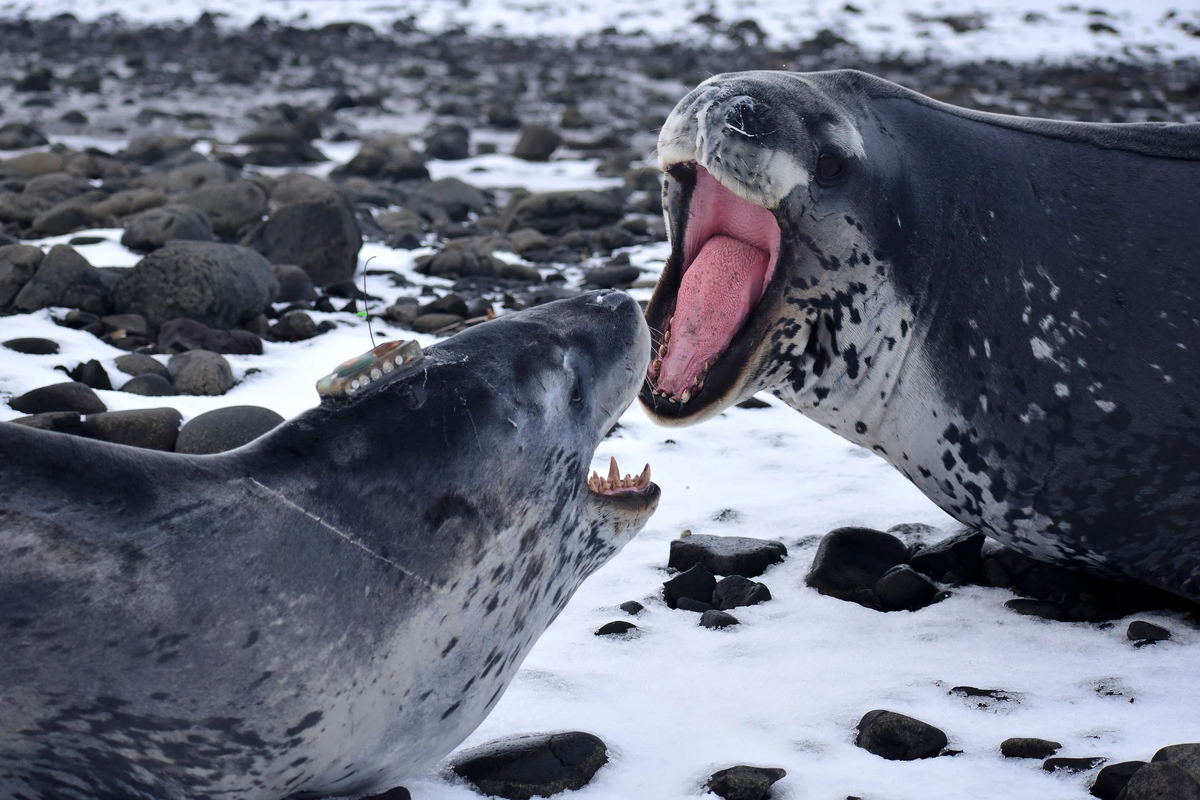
[(1005, 309), (331, 608)]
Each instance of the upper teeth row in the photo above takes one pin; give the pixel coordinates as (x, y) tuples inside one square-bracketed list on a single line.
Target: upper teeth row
[(614, 480)]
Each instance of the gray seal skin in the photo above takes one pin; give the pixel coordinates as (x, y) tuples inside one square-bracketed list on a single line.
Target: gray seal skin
[(327, 610), (1004, 309)]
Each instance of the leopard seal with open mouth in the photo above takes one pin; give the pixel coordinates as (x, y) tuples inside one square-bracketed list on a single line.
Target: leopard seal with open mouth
[(331, 608), (1005, 309)]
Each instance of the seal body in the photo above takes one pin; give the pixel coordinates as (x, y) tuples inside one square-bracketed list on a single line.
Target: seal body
[(327, 610), (1005, 309)]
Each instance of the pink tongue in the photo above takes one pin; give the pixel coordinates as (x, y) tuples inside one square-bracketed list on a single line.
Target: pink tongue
[(716, 295)]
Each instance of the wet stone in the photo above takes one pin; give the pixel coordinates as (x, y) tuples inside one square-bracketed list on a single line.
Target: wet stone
[(33, 346), (138, 364), (225, 429), (696, 584), (902, 588), (151, 428), (91, 373), (726, 555), (744, 782), (1141, 633), (1072, 765), (522, 767), (71, 396), (616, 627), (849, 560), (1027, 747), (960, 554), (736, 591), (150, 384), (1112, 779), (897, 737), (632, 607), (717, 619)]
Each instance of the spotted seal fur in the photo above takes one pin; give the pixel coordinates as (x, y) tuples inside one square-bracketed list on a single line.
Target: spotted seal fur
[(1005, 309), (331, 608)]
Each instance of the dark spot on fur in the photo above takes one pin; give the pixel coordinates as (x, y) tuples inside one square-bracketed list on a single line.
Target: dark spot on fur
[(450, 647), (451, 709), (310, 719)]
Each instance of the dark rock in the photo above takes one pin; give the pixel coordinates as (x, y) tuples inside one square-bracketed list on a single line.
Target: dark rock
[(57, 421), (40, 79), (70, 396), (696, 583), (632, 607), (753, 403), (1037, 608), (398, 793), (181, 335), (230, 206), (615, 627), (74, 117), (152, 229), (1072, 765), (1161, 781), (897, 737), (294, 284), (961, 554), (726, 555), (390, 158), (33, 346), (225, 429), (430, 323), (743, 782), (459, 199), (150, 384), (21, 136), (64, 278), (200, 372), (984, 699), (295, 326), (696, 606), (552, 212), (293, 153), (92, 374), (1112, 779), (1184, 756), (154, 149), (218, 284), (611, 277), (537, 143), (993, 573), (715, 619), (1023, 747), (151, 428), (131, 324), (1140, 631), (18, 263), (82, 320), (447, 304), (849, 560), (139, 364), (448, 142), (736, 591), (403, 312), (902, 588), (189, 176), (68, 216), (320, 236), (527, 766)]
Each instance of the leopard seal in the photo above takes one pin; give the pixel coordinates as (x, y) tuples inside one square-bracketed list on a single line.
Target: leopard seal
[(331, 608), (1005, 309)]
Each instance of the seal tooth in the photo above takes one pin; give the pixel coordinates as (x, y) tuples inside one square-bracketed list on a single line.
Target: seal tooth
[(662, 350), (666, 337), (687, 395), (705, 367), (644, 478), (614, 474)]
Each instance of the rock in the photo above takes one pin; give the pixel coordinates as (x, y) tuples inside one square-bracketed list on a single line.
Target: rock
[(897, 737), (632, 607), (696, 606), (150, 384), (736, 591), (398, 793), (225, 429), (526, 239), (611, 277), (712, 618), (1139, 631), (200, 372), (218, 284), (1037, 608), (431, 323), (187, 177), (1160, 781), (1022, 747), (181, 335), (1112, 779), (91, 374), (64, 278), (851, 560), (448, 143), (57, 186), (960, 554), (696, 584), (320, 236), (405, 230), (1072, 765), (447, 304), (57, 421), (230, 206), (18, 263), (292, 153), (537, 143), (148, 150), (124, 203), (902, 588), (139, 364), (390, 158), (726, 555), (32, 346), (151, 428), (71, 396), (615, 627), (295, 326), (294, 284), (1184, 756), (21, 136), (126, 324), (403, 312), (68, 216), (743, 782), (152, 229), (457, 198), (552, 212), (40, 79), (521, 767)]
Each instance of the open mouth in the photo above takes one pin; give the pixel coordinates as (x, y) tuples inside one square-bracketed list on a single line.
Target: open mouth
[(629, 490), (707, 306)]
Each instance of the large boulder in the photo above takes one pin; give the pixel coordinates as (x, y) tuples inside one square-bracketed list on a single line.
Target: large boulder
[(320, 236), (18, 263), (152, 229), (64, 278), (230, 206), (220, 285), (200, 372)]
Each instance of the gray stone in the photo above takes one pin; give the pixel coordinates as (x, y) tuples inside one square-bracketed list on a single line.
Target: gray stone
[(320, 236), (57, 186), (1045, 609), (429, 323), (181, 335), (1027, 747), (459, 199), (295, 326), (294, 284), (230, 206), (537, 143), (960, 554), (64, 278), (390, 158), (736, 591), (632, 607), (130, 324), (1184, 756), (150, 384), (403, 313), (615, 627), (140, 364), (32, 346), (225, 429), (57, 421), (552, 212), (897, 737), (726, 555), (66, 217), (70, 396), (450, 142), (1143, 632), (200, 372), (152, 229), (218, 284), (611, 277), (151, 428), (850, 560), (694, 584), (744, 783), (532, 765), (1160, 780), (18, 263), (148, 150), (21, 136), (902, 588), (712, 618), (92, 373), (1072, 765), (1112, 779)]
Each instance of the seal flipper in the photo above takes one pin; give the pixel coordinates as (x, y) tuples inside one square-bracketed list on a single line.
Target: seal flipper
[(370, 370)]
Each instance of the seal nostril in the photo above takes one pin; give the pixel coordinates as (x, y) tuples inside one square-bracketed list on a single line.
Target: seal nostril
[(609, 298)]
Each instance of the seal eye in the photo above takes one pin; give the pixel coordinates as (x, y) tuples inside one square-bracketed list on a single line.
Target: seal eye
[(830, 168)]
